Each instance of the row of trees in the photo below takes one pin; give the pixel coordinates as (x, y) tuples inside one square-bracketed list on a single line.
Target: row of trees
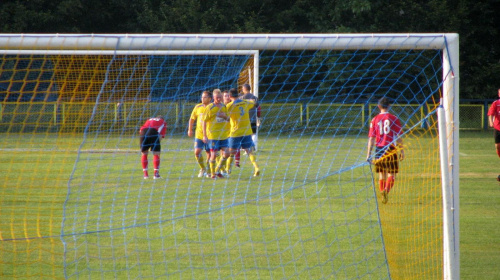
[(475, 21)]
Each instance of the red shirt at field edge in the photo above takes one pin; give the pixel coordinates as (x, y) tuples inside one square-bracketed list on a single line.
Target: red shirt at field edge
[(495, 112)]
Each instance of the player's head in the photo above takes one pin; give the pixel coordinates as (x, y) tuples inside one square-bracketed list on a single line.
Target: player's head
[(226, 97), (160, 117), (384, 103), (499, 92), (233, 93), (217, 94), (246, 88), (205, 97)]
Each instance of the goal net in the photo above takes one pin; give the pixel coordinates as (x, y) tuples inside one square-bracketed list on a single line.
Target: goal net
[(74, 202)]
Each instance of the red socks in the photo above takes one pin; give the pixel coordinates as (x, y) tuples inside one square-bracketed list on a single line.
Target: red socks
[(381, 186), (237, 158), (144, 161), (156, 162), (389, 184), (156, 165)]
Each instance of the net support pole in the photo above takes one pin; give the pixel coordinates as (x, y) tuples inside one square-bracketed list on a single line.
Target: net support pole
[(449, 163), (256, 87), (445, 185)]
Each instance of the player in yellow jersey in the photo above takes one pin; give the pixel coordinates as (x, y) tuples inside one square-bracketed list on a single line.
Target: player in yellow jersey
[(226, 99), (197, 115), (241, 131), (214, 126)]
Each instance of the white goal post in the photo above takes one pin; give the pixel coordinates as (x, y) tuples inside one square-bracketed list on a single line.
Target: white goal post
[(447, 43)]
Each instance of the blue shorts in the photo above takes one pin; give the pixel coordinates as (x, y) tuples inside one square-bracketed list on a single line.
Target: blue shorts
[(243, 142), (217, 144), (198, 144)]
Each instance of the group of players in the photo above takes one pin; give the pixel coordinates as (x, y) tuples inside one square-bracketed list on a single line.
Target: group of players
[(224, 125)]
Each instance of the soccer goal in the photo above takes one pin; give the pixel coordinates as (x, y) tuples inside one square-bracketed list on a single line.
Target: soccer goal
[(74, 202)]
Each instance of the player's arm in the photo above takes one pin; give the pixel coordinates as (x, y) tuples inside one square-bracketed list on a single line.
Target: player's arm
[(143, 127), (163, 130), (252, 102), (190, 127), (491, 114), (205, 138), (258, 115), (399, 140), (491, 119), (401, 148), (206, 118), (371, 143), (207, 115), (223, 113)]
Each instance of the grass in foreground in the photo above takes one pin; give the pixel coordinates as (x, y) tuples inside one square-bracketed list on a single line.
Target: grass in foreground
[(279, 222)]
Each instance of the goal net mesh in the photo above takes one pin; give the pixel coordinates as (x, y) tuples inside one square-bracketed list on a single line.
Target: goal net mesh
[(74, 203)]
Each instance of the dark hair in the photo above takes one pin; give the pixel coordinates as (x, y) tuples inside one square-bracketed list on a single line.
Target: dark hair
[(384, 102), (206, 93), (233, 92), (160, 117), (247, 87)]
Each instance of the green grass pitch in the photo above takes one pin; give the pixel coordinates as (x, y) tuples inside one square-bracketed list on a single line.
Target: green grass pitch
[(32, 245)]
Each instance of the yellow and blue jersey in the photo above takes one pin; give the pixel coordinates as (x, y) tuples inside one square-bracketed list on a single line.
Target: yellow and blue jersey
[(239, 117), (216, 126), (197, 115), (227, 130)]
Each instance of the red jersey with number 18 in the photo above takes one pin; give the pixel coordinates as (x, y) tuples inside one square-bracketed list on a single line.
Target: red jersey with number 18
[(385, 127)]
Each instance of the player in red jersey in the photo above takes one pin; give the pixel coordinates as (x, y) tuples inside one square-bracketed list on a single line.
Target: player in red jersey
[(151, 133), (384, 134), (494, 121)]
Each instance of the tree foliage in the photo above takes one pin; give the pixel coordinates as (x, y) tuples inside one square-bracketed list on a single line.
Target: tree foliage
[(475, 21)]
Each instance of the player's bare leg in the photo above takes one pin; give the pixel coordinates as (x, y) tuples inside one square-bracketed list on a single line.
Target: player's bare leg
[(230, 160), (212, 164), (383, 177), (207, 163), (497, 147), (201, 162), (221, 165), (381, 182), (253, 159), (390, 181)]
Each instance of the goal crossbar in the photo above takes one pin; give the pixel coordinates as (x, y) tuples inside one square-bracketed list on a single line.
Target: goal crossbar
[(226, 41)]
